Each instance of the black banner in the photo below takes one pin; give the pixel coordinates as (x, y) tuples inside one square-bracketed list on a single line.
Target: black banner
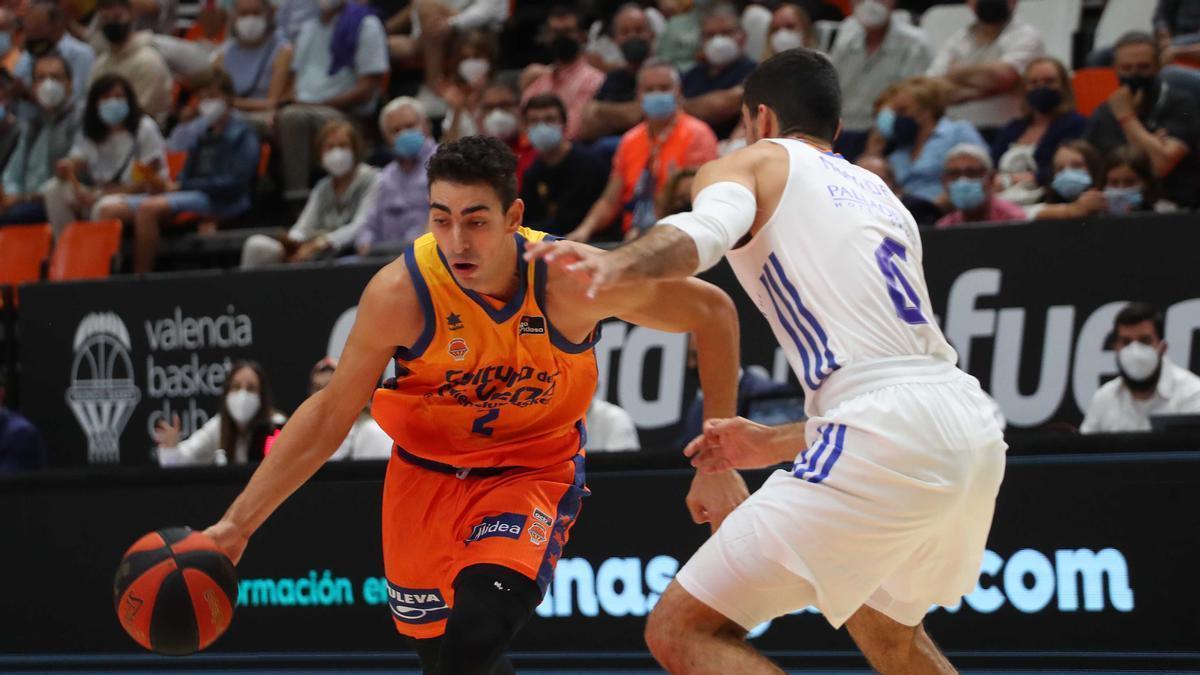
[(1028, 307), (1081, 560)]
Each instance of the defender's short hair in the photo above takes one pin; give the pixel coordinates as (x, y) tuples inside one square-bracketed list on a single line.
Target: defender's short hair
[(801, 86)]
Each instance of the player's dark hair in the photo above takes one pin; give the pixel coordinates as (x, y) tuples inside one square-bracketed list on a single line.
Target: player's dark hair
[(801, 86), (475, 160), (1137, 312)]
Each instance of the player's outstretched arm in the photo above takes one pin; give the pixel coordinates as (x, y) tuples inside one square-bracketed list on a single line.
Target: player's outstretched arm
[(739, 443), (321, 423)]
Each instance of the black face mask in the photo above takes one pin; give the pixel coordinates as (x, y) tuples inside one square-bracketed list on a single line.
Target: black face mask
[(1138, 83), (116, 33), (635, 50), (39, 47), (564, 49), (904, 133), (991, 11), (1044, 99)]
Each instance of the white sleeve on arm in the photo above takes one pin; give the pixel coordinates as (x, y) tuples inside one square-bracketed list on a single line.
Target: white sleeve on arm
[(721, 215)]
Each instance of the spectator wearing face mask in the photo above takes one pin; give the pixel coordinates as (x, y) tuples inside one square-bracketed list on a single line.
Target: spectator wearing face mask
[(873, 50), (1153, 116), (712, 89), (571, 77), (400, 212), (132, 56), (336, 207), (45, 29), (1149, 382), (1130, 185), (680, 37), (473, 71), (913, 121), (791, 26), (43, 141), (1024, 148), (340, 61), (366, 439), (237, 433), (118, 151), (981, 65), (565, 179), (216, 181), (669, 140), (498, 116), (1075, 188), (259, 59), (615, 109), (970, 186)]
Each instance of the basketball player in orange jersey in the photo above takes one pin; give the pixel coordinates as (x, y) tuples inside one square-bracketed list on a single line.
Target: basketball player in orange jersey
[(495, 372)]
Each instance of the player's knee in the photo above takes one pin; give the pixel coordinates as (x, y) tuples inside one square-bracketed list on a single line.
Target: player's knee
[(667, 628)]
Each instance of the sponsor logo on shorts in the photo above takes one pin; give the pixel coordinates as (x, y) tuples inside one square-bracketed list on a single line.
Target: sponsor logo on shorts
[(458, 349), (540, 516), (417, 605), (537, 534), (532, 325), (507, 525)]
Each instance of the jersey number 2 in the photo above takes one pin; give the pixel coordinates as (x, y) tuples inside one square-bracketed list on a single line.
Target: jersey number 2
[(481, 423), (904, 298)]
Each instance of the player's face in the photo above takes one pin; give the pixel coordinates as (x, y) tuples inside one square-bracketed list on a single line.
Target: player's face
[(474, 233)]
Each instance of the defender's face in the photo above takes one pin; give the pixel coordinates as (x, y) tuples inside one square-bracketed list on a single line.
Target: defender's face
[(474, 232)]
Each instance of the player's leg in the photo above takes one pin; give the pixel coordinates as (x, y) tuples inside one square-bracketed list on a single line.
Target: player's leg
[(428, 649), (491, 603), (893, 648), (687, 636)]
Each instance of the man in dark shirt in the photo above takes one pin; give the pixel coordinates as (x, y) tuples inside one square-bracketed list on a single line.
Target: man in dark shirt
[(615, 109), (565, 179), (1151, 115), (712, 89)]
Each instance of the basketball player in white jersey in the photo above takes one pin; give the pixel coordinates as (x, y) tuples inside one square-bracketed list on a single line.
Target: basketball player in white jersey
[(886, 508)]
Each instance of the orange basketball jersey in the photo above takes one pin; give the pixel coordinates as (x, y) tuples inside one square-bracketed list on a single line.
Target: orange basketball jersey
[(486, 385)]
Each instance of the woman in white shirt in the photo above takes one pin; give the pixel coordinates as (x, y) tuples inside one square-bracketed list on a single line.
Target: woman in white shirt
[(366, 439), (119, 150), (237, 433)]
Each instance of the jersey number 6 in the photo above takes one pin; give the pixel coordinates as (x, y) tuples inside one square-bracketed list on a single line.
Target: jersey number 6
[(904, 298)]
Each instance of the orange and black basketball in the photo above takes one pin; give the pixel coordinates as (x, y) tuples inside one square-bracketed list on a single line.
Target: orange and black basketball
[(175, 591)]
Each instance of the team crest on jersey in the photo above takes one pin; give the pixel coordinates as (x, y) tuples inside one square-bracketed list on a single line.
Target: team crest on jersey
[(532, 325), (537, 534), (458, 348)]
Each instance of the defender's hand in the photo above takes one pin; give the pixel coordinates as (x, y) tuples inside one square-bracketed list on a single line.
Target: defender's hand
[(735, 443), (599, 270), (229, 539), (713, 496)]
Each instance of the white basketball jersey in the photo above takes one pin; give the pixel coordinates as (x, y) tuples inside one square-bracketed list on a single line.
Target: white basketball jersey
[(837, 271)]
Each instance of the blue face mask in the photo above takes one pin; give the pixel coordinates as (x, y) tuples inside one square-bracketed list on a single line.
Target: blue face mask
[(1123, 200), (967, 194), (409, 143), (885, 122), (1070, 183), (545, 137), (658, 105), (113, 110)]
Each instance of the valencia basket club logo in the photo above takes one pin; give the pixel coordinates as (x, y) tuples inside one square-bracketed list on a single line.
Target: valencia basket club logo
[(102, 394), (458, 348)]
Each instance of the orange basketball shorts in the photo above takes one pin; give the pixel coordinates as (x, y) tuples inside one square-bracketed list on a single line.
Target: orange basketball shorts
[(435, 524)]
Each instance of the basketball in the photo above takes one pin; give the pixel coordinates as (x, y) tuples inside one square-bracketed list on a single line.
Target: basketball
[(174, 591)]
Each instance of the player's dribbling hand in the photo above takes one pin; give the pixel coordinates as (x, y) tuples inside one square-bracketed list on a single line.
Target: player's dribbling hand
[(229, 539), (713, 496), (734, 443)]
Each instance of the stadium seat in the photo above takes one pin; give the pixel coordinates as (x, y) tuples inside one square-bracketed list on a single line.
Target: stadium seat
[(175, 161), (1120, 17), (1092, 87), (1058, 21), (23, 252), (86, 250), (941, 22)]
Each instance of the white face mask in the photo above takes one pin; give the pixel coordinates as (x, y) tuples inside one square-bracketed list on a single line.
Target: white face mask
[(1138, 360), (872, 14), (212, 109), (337, 161), (500, 124), (721, 50), (474, 70), (250, 28), (242, 406), (785, 39), (51, 93)]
